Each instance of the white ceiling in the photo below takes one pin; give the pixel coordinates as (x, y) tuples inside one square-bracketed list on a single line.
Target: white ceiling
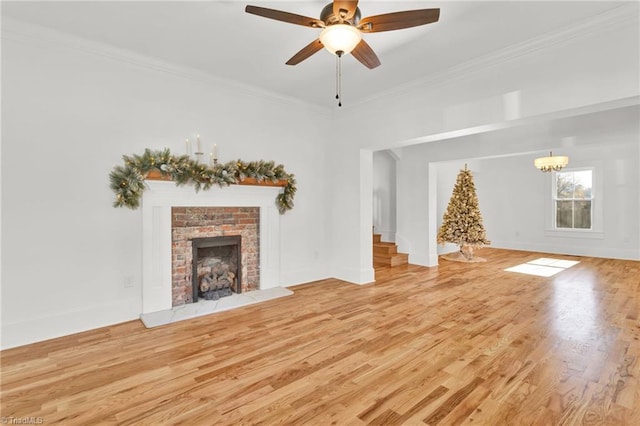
[(219, 38)]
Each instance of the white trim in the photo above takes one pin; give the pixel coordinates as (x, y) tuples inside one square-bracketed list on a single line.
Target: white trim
[(354, 275), (63, 324), (616, 18), (553, 247), (15, 29), (157, 201), (423, 259), (37, 35), (574, 233)]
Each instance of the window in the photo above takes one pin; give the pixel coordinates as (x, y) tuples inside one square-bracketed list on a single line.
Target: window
[(573, 199)]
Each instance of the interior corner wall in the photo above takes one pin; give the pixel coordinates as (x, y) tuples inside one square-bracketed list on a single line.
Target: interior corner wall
[(350, 178), (384, 195), (70, 261), (412, 232)]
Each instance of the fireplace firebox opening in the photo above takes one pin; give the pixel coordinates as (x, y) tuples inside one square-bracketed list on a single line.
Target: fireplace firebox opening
[(216, 268)]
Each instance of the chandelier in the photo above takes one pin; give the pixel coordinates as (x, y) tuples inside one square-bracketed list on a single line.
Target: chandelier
[(551, 163)]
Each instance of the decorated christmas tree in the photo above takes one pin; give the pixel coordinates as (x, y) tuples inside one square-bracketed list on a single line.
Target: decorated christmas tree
[(462, 221)]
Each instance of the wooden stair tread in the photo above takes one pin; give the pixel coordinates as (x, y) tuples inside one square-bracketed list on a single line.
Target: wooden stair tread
[(391, 256), (395, 260), (386, 253), (384, 249)]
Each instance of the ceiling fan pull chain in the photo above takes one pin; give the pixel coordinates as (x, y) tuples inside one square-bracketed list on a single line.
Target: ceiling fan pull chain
[(339, 77), (337, 88), (337, 80)]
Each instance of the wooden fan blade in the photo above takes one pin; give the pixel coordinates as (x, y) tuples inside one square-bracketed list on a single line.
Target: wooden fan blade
[(279, 15), (345, 9), (398, 20), (365, 54), (305, 52)]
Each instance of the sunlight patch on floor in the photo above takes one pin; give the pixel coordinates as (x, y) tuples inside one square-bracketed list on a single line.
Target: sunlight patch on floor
[(543, 267)]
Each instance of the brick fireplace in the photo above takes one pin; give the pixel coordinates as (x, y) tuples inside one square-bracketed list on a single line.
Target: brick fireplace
[(194, 228), (208, 213)]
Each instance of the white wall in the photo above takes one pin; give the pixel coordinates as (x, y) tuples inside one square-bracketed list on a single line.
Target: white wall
[(575, 72), (515, 198), (70, 111), (384, 195)]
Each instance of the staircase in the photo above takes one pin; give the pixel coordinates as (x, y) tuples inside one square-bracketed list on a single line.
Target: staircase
[(386, 254)]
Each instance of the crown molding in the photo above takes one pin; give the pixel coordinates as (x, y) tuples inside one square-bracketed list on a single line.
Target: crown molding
[(36, 35), (614, 19), (619, 17)]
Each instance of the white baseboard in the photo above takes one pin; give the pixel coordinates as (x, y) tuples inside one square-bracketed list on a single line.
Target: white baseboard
[(303, 276), (604, 252), (423, 259), (354, 275), (50, 327)]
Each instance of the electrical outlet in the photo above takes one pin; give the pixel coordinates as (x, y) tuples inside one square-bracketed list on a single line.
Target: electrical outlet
[(128, 281)]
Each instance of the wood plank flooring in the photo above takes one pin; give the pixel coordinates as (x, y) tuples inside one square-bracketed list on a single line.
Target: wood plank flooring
[(456, 344)]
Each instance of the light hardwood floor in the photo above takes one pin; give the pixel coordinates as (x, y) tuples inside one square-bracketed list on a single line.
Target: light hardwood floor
[(456, 344)]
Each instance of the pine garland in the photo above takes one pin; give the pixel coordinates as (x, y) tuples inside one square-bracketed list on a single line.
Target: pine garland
[(127, 181)]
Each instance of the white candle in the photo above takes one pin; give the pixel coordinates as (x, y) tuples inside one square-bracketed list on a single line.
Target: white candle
[(214, 151), (199, 146), (188, 144)]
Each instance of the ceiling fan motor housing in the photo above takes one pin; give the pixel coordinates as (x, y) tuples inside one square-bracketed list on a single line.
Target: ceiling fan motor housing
[(329, 18)]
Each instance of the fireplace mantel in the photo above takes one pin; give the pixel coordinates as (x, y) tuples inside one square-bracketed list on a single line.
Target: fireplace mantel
[(157, 202), (156, 175)]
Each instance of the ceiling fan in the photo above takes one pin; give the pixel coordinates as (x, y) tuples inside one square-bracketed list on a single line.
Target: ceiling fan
[(342, 28)]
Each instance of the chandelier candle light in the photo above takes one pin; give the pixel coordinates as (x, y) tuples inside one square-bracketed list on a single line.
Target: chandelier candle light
[(551, 163)]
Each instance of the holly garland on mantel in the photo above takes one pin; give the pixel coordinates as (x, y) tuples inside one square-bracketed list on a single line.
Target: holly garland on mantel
[(127, 181)]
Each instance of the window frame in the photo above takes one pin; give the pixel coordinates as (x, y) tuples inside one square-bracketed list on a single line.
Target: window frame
[(555, 199), (597, 203)]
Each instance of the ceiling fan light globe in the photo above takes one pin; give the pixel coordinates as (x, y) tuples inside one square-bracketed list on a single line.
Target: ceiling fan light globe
[(340, 37)]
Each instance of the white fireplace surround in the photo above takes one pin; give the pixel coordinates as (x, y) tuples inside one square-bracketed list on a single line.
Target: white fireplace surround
[(157, 201)]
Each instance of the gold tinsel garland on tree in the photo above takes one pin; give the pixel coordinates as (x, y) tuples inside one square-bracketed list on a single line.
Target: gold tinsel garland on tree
[(462, 221), (127, 182)]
